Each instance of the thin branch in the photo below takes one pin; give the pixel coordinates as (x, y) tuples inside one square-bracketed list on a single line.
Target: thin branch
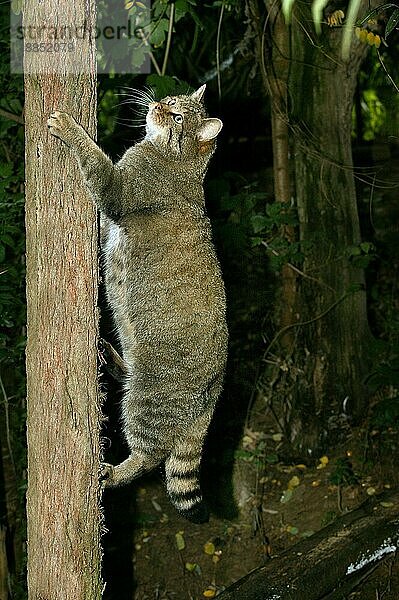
[(12, 117), (302, 323), (152, 57), (386, 71), (169, 38), (371, 206), (154, 62), (7, 419), (294, 268), (218, 50)]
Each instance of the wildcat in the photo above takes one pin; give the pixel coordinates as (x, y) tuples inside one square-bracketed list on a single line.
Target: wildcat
[(164, 286)]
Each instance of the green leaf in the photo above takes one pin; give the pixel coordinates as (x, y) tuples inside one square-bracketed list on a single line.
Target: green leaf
[(244, 455), (5, 169), (354, 251), (392, 23), (259, 223), (158, 9), (367, 247), (272, 459), (162, 84), (376, 11), (138, 53), (256, 241), (7, 240), (181, 9), (192, 567), (158, 33)]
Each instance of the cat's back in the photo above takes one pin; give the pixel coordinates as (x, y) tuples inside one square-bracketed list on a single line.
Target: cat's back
[(169, 234)]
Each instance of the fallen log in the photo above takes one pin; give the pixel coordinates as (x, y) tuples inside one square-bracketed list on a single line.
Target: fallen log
[(332, 561)]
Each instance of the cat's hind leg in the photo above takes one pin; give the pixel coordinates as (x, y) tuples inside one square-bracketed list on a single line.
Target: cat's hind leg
[(182, 469), (148, 438), (133, 467)]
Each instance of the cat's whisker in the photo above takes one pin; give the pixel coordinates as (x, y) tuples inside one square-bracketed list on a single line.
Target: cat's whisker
[(137, 99), (132, 124), (135, 103), (145, 96), (132, 102)]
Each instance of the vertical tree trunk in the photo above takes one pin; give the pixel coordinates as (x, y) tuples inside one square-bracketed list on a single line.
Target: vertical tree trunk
[(3, 564), (277, 76), (63, 412), (275, 73), (323, 312), (331, 351)]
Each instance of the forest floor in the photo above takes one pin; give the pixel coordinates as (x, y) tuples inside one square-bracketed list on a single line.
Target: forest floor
[(174, 559)]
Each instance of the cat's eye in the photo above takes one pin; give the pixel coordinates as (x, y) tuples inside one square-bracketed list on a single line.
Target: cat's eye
[(171, 102), (178, 118)]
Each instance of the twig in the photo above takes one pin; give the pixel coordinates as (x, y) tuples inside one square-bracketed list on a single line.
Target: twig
[(302, 323), (169, 38), (12, 117), (371, 205), (386, 71), (7, 418), (6, 152), (339, 499), (218, 50), (152, 57), (294, 268)]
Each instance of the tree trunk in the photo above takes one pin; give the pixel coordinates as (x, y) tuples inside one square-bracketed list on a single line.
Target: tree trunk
[(63, 411), (4, 574), (275, 70), (324, 332), (331, 562), (277, 77), (330, 357)]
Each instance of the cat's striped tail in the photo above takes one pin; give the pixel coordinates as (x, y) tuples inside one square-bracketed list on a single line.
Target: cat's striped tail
[(182, 469)]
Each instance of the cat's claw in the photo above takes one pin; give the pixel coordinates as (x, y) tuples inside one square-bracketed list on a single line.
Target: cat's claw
[(106, 475), (60, 124)]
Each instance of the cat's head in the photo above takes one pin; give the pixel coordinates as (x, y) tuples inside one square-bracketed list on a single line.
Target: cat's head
[(179, 127)]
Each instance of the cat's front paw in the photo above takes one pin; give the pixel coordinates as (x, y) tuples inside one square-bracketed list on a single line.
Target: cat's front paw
[(107, 475), (63, 126)]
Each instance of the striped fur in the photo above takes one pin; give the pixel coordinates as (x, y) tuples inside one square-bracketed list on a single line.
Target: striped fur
[(182, 468), (164, 286)]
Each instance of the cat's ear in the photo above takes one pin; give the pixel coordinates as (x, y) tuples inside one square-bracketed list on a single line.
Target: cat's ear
[(199, 94), (209, 129)]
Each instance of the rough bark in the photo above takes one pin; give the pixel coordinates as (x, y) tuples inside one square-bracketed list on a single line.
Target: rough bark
[(4, 574), (63, 410), (324, 334), (331, 562), (278, 76), (274, 36), (331, 350)]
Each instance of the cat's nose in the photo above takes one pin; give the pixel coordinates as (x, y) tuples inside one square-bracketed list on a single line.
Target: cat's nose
[(156, 106)]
